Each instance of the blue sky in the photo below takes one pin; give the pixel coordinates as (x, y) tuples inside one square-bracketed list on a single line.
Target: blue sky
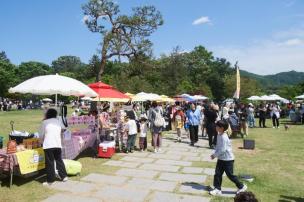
[(265, 36)]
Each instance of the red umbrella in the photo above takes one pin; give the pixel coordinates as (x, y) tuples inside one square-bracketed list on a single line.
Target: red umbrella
[(108, 93)]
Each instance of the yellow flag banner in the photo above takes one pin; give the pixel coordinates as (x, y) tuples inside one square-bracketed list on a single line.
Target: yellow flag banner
[(238, 84), (31, 160)]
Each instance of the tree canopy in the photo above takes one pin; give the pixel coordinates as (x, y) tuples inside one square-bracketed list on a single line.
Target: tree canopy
[(123, 35)]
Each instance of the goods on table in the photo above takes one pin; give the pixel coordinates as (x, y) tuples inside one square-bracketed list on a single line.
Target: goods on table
[(31, 143), (11, 147)]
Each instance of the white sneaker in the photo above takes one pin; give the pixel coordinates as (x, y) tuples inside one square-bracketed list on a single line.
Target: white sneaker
[(159, 150), (243, 189), (273, 127), (215, 192), (65, 179), (48, 184), (155, 150)]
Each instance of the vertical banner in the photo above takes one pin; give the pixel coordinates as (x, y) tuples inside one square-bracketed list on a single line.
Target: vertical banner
[(238, 83)]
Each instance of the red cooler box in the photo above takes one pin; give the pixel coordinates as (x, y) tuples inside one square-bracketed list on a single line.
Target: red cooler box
[(106, 149)]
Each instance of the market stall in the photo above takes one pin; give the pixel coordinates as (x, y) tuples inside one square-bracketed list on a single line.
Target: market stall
[(28, 156)]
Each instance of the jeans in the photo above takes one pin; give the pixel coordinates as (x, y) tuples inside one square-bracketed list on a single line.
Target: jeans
[(227, 167), (251, 121), (52, 155), (131, 142)]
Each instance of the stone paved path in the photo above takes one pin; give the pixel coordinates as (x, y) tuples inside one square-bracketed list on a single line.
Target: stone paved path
[(145, 176)]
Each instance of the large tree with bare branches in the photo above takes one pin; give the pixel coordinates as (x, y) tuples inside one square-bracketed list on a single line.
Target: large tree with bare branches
[(123, 35)]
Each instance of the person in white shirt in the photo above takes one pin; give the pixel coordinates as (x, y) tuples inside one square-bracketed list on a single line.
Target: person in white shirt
[(50, 132), (143, 132), (131, 127), (275, 115)]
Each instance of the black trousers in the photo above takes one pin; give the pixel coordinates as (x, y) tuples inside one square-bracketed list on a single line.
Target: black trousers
[(275, 121), (54, 155), (193, 133), (262, 121), (212, 134), (227, 167)]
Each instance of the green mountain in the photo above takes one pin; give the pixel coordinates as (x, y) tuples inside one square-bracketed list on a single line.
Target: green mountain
[(276, 80)]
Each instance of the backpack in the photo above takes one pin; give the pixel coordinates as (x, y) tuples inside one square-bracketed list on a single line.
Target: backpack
[(159, 120)]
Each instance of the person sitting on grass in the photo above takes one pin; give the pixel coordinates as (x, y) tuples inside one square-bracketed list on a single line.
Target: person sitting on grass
[(245, 197), (223, 152)]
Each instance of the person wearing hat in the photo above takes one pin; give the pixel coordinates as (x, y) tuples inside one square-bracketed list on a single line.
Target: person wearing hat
[(250, 118)]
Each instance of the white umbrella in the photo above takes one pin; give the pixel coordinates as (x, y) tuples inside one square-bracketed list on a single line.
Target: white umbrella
[(276, 97), (200, 97), (300, 97), (47, 100), (266, 98), (86, 98), (53, 85), (254, 97)]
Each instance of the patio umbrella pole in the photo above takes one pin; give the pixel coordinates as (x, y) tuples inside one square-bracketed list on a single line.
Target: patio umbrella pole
[(56, 100)]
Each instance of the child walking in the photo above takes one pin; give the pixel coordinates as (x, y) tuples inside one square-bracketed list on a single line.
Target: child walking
[(223, 152), (143, 133)]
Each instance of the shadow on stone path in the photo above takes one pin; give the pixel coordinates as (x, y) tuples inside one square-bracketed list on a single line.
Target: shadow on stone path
[(145, 176)]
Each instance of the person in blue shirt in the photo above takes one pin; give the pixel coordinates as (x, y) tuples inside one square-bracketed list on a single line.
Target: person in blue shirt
[(194, 118)]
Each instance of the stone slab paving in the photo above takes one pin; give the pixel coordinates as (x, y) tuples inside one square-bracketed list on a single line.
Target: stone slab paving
[(167, 168), (105, 179), (149, 174), (170, 197), (122, 164), (146, 176), (121, 194), (182, 153), (165, 156), (74, 186), (173, 162), (139, 154), (137, 159), (194, 188), (182, 178), (191, 158), (152, 184), (194, 170), (68, 198)]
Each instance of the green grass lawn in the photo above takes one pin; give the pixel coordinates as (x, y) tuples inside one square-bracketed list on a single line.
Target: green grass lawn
[(276, 164)]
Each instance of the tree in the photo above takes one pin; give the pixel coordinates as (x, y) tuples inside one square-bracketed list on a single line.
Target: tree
[(7, 77), (27, 70), (123, 36), (67, 64), (3, 57)]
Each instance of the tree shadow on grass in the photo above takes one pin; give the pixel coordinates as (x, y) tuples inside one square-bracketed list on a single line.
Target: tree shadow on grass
[(291, 199)]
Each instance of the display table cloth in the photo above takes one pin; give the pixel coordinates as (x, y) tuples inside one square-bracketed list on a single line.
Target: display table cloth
[(7, 161)]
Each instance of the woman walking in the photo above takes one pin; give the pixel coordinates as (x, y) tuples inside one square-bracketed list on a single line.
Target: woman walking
[(194, 117), (157, 124), (50, 132)]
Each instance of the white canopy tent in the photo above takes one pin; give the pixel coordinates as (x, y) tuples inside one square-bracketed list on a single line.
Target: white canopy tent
[(300, 97), (276, 97), (254, 98), (53, 85)]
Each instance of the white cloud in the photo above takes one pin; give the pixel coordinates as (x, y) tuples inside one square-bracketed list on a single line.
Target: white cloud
[(202, 20), (280, 53)]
